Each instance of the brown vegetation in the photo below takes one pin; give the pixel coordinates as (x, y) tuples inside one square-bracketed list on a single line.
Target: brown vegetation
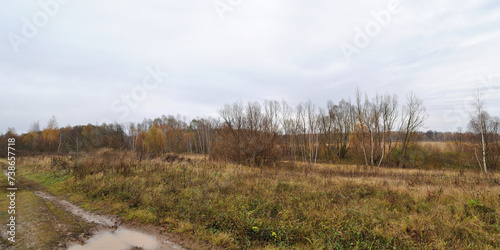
[(334, 206)]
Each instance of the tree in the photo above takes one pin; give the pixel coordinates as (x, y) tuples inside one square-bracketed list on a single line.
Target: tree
[(375, 120), (307, 122), (50, 135), (486, 129), (413, 117), (344, 124), (477, 124), (133, 132), (335, 126), (326, 134), (290, 131), (155, 141), (389, 110), (430, 135), (248, 135), (4, 141), (140, 148), (31, 140), (363, 132), (204, 134), (458, 146), (90, 139), (312, 144)]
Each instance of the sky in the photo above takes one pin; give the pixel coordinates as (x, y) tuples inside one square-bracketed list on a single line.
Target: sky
[(120, 61)]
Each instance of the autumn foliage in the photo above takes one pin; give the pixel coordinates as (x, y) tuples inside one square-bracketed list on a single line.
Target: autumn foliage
[(155, 141)]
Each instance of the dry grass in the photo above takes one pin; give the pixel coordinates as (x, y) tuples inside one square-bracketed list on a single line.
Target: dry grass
[(440, 146), (324, 206)]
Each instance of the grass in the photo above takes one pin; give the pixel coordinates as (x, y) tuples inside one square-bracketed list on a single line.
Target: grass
[(39, 224), (439, 145), (330, 207)]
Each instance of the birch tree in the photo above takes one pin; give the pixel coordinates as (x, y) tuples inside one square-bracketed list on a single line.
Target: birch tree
[(478, 126), (344, 124), (361, 114), (486, 129), (290, 130), (413, 116), (389, 113)]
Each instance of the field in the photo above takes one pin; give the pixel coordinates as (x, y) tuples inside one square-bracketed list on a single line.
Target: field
[(321, 206)]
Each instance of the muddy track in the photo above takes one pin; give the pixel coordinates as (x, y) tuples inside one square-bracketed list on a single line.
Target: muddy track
[(102, 220)]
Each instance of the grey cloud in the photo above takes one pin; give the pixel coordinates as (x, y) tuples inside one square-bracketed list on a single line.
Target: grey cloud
[(93, 52)]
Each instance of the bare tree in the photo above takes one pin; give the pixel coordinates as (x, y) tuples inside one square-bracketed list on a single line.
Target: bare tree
[(33, 136), (307, 126), (361, 117), (290, 131), (369, 114), (344, 124), (272, 110), (413, 117), (389, 110), (494, 138), (35, 127), (301, 128), (312, 132), (249, 135), (478, 125), (486, 129), (233, 117), (326, 133), (374, 127), (375, 124)]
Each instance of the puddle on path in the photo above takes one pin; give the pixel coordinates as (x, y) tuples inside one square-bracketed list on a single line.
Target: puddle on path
[(123, 239), (119, 239)]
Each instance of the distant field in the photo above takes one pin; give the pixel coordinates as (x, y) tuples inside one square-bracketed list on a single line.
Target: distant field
[(442, 146), (325, 206)]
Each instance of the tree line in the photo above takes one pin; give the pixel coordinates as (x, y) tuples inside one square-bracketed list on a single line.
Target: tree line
[(371, 130)]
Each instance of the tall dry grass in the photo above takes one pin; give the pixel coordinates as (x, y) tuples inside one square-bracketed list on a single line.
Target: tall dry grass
[(328, 206)]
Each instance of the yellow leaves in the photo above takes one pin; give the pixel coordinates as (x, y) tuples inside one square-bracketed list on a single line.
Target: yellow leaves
[(50, 137), (155, 140)]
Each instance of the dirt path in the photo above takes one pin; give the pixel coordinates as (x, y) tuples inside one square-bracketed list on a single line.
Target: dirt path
[(106, 221), (45, 221)]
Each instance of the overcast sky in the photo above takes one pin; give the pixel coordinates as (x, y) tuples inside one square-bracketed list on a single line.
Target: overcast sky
[(100, 61)]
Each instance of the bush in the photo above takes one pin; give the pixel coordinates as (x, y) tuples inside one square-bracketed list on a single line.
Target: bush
[(254, 148)]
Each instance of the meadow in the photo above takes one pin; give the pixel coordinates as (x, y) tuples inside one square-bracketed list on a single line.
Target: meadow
[(285, 206)]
